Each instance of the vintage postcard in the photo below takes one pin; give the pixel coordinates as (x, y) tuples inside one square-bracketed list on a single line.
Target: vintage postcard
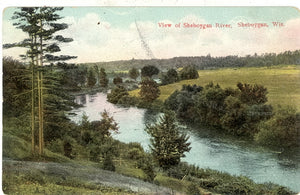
[(151, 100)]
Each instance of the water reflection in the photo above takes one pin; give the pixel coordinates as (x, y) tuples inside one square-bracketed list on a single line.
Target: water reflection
[(210, 148)]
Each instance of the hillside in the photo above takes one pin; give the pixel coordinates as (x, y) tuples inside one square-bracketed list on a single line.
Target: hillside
[(282, 82), (73, 178), (204, 62)]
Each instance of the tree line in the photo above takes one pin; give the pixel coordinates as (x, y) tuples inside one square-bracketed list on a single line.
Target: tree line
[(207, 62), (242, 112)]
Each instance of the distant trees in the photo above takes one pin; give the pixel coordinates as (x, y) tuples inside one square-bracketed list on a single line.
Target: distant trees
[(188, 72), (116, 94), (170, 77), (134, 73), (96, 68), (149, 90), (149, 71), (91, 78), (117, 80), (73, 77), (168, 144), (103, 78)]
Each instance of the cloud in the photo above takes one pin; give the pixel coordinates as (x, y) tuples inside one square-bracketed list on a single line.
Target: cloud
[(96, 39)]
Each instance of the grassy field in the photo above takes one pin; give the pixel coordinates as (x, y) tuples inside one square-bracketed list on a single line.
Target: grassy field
[(282, 82)]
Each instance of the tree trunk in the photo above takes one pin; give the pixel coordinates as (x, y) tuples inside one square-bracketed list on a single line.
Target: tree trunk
[(32, 99), (40, 94)]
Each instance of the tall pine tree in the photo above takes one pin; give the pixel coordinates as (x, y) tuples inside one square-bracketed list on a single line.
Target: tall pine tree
[(40, 24)]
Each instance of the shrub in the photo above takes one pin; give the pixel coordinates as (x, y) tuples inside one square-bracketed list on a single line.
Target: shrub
[(280, 130), (149, 90), (116, 94), (188, 72), (135, 154), (108, 164), (117, 80), (128, 100), (192, 189), (170, 77), (56, 146)]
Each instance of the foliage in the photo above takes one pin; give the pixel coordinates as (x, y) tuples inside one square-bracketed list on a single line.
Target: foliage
[(116, 94), (188, 72), (168, 145), (281, 80), (42, 27), (108, 163), (219, 107), (183, 103), (106, 125), (16, 87), (37, 182), (91, 78), (149, 90), (193, 189), (223, 183), (147, 164), (134, 73), (117, 80), (72, 77), (96, 137), (170, 77), (128, 101), (208, 62), (210, 104), (252, 94), (281, 130), (103, 78), (149, 71)]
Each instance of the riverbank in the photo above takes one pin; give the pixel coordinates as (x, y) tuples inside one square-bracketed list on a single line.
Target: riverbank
[(209, 150)]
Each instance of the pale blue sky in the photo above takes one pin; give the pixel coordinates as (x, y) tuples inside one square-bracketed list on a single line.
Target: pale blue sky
[(123, 16), (118, 34)]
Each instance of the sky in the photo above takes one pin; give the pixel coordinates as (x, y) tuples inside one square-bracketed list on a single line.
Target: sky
[(110, 33)]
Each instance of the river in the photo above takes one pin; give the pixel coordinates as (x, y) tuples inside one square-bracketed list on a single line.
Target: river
[(209, 148)]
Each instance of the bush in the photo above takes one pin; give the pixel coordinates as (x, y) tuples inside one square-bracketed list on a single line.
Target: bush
[(117, 80), (135, 154), (149, 90), (108, 164), (281, 130), (56, 146), (149, 71), (128, 100), (192, 189), (179, 171), (188, 72), (116, 94), (170, 77)]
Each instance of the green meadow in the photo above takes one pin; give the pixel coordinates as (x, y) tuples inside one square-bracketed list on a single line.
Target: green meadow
[(282, 82)]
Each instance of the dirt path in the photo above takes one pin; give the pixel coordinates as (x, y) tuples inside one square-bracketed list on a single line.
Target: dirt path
[(87, 174)]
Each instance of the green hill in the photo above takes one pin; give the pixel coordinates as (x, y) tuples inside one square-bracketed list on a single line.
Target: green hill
[(282, 82)]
